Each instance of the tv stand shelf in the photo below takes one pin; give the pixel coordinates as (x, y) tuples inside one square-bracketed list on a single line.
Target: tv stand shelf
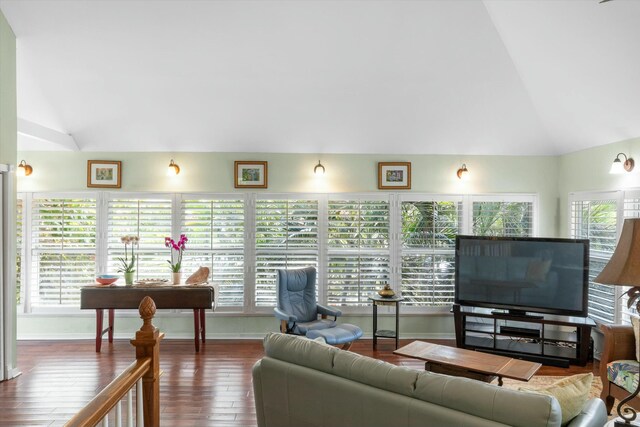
[(551, 340)]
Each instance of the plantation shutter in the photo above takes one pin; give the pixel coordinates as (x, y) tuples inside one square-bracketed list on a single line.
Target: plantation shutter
[(19, 248), (150, 220), (286, 238), (358, 250), (429, 230), (215, 229), (596, 220), (502, 218), (63, 241), (631, 209)]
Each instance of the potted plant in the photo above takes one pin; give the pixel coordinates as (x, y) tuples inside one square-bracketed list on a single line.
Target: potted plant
[(128, 267), (176, 264)]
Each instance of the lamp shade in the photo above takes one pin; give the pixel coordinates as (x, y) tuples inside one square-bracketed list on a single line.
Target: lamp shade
[(623, 269)]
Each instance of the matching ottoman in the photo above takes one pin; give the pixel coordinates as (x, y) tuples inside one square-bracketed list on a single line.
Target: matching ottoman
[(344, 334)]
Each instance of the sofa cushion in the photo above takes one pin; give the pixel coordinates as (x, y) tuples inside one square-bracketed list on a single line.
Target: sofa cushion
[(571, 392), (623, 373), (487, 400), (375, 373), (300, 350)]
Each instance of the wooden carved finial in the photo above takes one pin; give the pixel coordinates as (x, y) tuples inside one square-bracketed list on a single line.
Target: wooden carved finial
[(147, 310)]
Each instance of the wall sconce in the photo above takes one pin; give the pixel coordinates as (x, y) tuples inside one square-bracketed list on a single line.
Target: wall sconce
[(24, 169), (173, 169), (618, 167), (463, 172), (319, 169)]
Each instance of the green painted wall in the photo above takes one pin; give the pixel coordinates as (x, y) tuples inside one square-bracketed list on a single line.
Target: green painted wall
[(213, 172), (8, 106), (588, 170)]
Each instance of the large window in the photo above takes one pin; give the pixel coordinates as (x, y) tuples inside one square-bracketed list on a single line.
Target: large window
[(429, 230), (502, 218), (358, 248), (286, 237), (63, 249), (357, 242), (599, 218), (215, 229), (596, 219), (150, 220)]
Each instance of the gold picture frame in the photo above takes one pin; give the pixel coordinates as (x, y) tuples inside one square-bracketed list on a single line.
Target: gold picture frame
[(250, 174), (394, 175), (104, 173)]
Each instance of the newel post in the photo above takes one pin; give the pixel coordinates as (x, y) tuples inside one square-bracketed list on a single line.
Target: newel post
[(147, 344)]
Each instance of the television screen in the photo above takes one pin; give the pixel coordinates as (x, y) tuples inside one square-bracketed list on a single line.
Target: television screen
[(544, 275)]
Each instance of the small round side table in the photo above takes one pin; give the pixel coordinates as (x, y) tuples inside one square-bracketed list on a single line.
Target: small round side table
[(377, 300)]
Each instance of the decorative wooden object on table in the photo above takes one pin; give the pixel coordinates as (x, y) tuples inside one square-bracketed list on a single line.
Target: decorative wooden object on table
[(469, 364), (385, 333), (199, 298), (200, 276)]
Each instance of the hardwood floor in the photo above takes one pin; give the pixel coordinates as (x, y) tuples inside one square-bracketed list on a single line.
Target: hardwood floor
[(209, 388)]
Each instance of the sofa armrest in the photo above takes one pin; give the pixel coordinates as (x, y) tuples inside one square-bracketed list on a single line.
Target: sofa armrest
[(282, 315), (593, 414), (328, 311), (619, 344)]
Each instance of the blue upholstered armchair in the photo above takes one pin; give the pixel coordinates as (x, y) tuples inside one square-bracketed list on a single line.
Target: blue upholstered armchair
[(297, 308)]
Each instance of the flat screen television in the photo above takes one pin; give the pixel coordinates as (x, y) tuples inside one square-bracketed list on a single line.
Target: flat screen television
[(541, 275)]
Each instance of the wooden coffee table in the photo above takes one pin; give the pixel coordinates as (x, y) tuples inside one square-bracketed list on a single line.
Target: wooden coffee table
[(467, 363)]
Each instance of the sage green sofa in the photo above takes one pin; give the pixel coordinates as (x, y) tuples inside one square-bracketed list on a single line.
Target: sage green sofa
[(301, 382)]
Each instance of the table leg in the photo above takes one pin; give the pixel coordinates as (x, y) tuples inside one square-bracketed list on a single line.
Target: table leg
[(111, 321), (203, 325), (99, 314), (196, 328), (499, 381), (375, 325)]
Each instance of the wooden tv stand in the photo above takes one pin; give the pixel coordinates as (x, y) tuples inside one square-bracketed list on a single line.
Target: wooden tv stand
[(550, 340)]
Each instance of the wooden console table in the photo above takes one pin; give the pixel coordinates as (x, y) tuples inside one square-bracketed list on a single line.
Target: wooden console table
[(100, 298)]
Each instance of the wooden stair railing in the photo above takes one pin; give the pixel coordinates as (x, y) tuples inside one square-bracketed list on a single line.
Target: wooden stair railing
[(146, 368)]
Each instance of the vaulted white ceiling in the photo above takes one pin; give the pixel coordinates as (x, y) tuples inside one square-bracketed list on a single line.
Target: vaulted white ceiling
[(393, 77)]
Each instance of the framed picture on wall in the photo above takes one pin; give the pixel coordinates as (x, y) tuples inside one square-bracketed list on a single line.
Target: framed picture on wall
[(104, 173), (394, 175), (250, 174)]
